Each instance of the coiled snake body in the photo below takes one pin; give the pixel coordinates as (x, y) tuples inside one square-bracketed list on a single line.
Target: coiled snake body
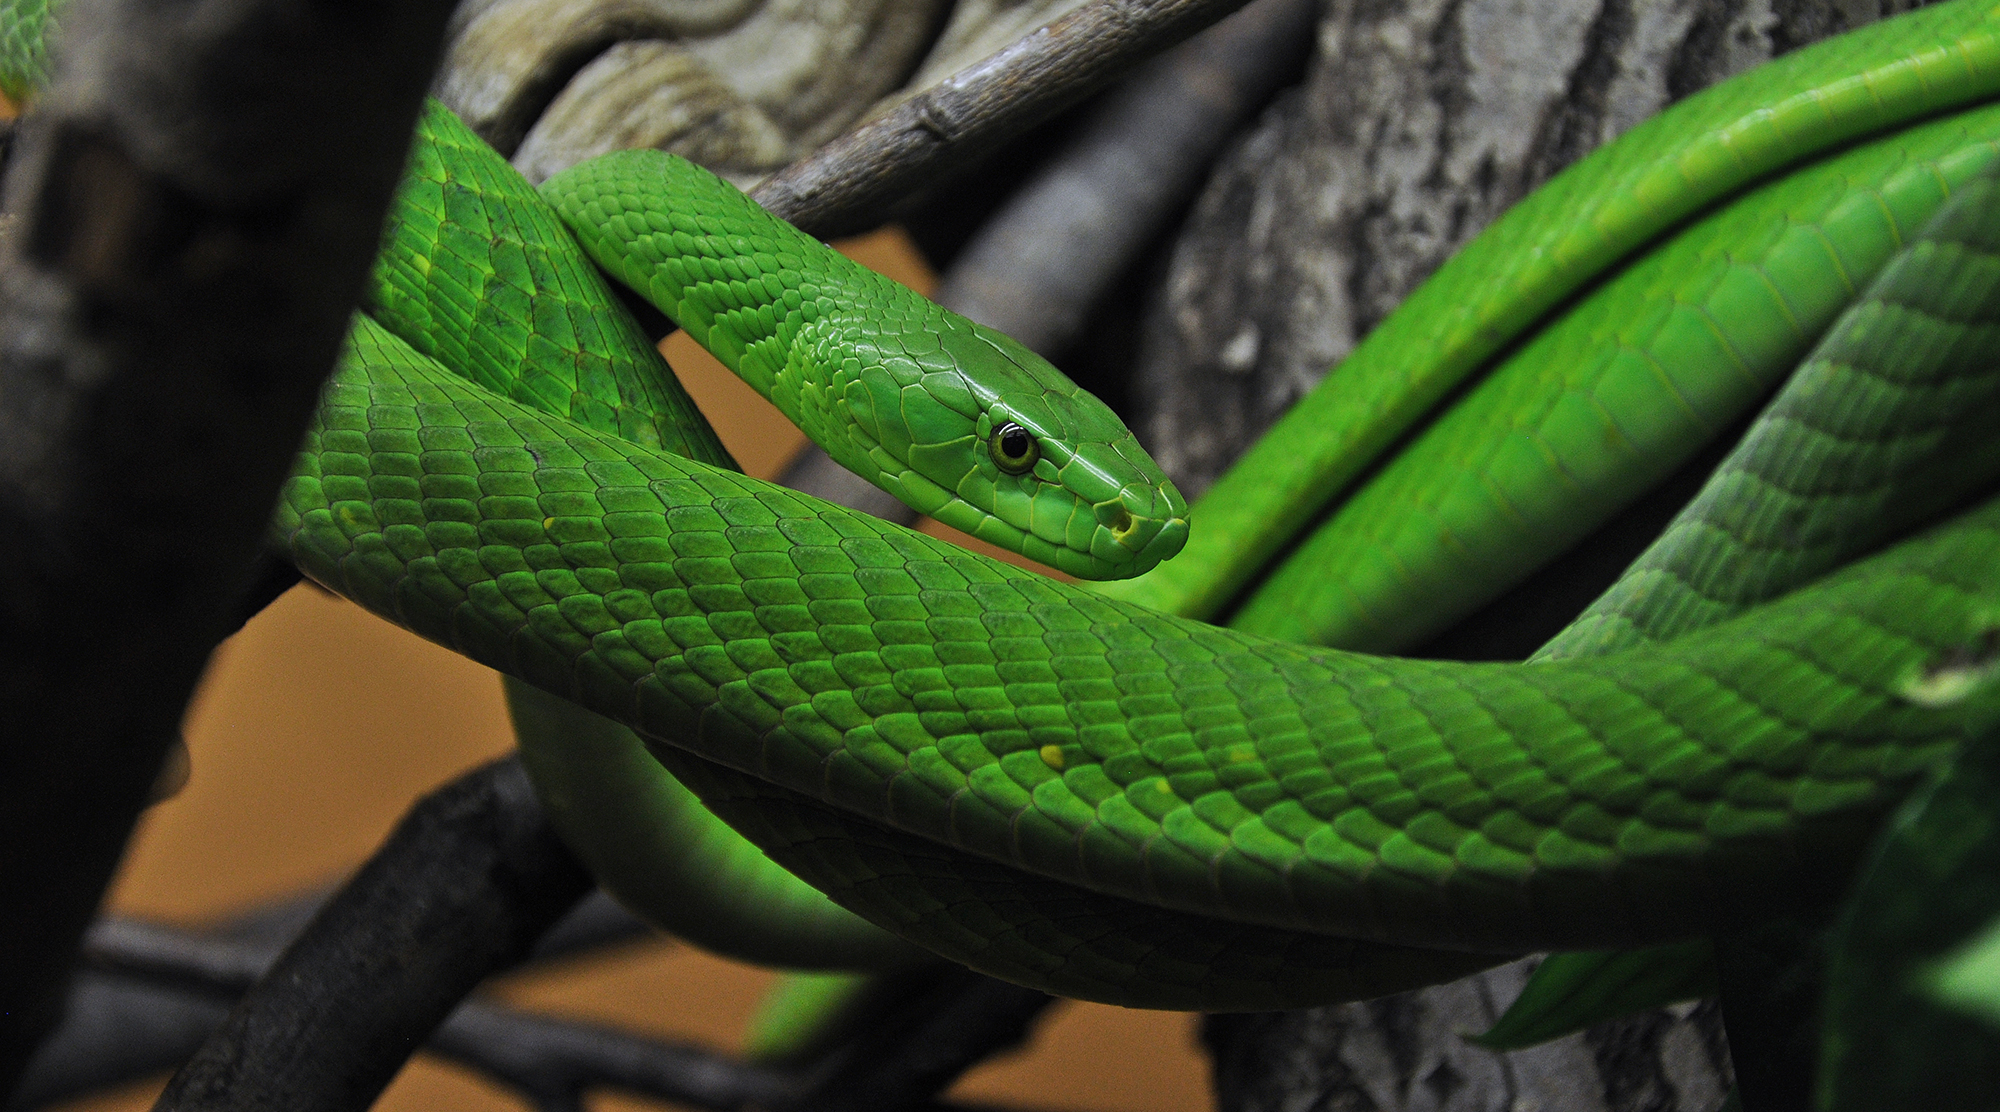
[(1068, 788)]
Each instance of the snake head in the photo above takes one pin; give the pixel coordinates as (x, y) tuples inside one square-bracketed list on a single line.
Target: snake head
[(955, 419), (966, 424)]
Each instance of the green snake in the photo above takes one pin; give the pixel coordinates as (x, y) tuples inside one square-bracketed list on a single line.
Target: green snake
[(1070, 788)]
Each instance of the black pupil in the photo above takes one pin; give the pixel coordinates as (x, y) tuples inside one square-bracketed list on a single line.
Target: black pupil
[(1014, 442)]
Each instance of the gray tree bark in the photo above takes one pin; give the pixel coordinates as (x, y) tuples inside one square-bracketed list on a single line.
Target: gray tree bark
[(1407, 1053)]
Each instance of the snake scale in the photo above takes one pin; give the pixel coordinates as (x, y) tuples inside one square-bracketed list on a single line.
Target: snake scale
[(1063, 786)]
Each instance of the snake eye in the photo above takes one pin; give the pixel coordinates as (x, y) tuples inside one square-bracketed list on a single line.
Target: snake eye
[(1014, 449)]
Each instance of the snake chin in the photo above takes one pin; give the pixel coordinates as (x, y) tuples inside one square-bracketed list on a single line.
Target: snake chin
[(1117, 545)]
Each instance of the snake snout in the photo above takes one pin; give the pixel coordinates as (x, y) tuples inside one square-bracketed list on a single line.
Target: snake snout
[(1142, 527)]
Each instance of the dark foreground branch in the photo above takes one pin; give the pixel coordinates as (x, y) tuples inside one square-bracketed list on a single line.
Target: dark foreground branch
[(150, 995), (124, 1028), (941, 1022), (848, 185), (192, 210), (462, 890)]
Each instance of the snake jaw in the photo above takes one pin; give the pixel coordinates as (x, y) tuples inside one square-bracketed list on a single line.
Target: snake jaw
[(1142, 527)]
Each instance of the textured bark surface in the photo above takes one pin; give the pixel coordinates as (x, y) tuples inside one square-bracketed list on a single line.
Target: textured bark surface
[(742, 72), (653, 93), (1406, 1054)]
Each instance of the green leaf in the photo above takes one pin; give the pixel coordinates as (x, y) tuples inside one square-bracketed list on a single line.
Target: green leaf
[(1571, 991)]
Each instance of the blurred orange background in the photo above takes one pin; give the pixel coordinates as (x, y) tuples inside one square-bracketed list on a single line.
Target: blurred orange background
[(318, 725)]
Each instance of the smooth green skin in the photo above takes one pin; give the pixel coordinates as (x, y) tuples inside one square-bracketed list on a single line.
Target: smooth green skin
[(664, 854), (1968, 979), (1588, 219), (1610, 400), (1592, 985), (1886, 425), (896, 388), (801, 1007)]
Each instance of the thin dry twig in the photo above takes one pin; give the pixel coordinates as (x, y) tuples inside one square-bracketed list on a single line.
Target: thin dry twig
[(849, 184)]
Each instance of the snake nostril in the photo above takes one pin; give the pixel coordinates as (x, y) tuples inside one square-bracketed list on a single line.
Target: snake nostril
[(1121, 524)]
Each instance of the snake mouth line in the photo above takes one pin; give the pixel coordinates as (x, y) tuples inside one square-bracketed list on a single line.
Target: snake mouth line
[(1112, 554)]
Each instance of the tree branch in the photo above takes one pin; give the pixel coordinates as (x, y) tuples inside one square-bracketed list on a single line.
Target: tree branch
[(849, 184), (943, 1021), (463, 888), (149, 995), (193, 207), (554, 1061)]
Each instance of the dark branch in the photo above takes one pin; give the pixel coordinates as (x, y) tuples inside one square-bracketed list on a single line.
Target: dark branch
[(151, 994), (193, 207), (848, 185), (942, 1021), (463, 888), (1039, 265), (598, 921), (554, 1061)]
